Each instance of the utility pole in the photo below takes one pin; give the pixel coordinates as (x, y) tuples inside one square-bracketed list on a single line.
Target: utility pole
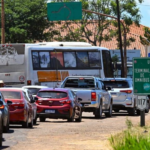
[(120, 39), (2, 23)]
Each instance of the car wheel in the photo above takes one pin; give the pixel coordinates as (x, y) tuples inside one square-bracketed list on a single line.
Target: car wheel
[(109, 113), (31, 123), (98, 113), (116, 110), (131, 111), (71, 119), (138, 112), (147, 108), (34, 121), (42, 119), (80, 118), (6, 128), (25, 123)]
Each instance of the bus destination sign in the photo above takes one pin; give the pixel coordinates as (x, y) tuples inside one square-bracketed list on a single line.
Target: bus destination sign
[(141, 76)]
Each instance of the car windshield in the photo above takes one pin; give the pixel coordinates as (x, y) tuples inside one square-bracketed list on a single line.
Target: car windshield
[(80, 83), (117, 84), (11, 95), (33, 91), (52, 94)]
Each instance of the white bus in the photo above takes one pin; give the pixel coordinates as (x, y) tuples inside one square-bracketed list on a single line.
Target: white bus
[(49, 63)]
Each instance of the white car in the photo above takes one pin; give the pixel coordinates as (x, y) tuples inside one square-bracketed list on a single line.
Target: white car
[(122, 94), (33, 89)]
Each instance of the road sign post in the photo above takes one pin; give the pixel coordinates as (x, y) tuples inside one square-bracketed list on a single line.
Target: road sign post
[(141, 84), (141, 105)]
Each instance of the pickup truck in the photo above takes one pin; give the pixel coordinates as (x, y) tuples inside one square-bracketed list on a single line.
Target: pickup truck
[(91, 93)]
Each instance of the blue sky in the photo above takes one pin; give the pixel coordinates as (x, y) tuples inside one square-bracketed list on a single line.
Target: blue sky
[(145, 12)]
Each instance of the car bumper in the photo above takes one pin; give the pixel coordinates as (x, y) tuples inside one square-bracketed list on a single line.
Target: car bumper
[(17, 116), (124, 104), (63, 113)]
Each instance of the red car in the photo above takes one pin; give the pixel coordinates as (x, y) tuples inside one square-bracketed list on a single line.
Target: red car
[(21, 110), (58, 103)]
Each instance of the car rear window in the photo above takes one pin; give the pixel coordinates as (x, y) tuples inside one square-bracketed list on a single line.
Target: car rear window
[(117, 84), (33, 91), (80, 83), (52, 94), (11, 95)]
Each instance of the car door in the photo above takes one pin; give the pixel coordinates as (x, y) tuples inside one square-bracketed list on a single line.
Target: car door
[(30, 109), (5, 111), (108, 98), (105, 95)]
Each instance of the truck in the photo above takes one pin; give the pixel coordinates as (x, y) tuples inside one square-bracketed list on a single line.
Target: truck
[(91, 93)]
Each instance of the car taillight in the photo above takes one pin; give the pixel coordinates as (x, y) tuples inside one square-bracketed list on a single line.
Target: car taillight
[(2, 107), (65, 101), (28, 82), (93, 96), (1, 84), (126, 91), (18, 105)]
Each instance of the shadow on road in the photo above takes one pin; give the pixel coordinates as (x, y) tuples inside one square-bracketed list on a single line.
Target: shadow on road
[(4, 147), (10, 131)]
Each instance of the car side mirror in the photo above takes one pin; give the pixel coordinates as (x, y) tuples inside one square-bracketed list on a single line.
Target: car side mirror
[(108, 88), (35, 98), (9, 102)]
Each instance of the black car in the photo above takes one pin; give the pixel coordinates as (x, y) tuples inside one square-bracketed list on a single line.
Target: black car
[(4, 109)]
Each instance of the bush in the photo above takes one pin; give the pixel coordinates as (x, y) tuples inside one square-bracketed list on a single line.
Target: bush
[(130, 141)]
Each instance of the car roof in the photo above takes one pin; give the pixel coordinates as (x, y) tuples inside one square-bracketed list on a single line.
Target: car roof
[(55, 89), (11, 89), (35, 86)]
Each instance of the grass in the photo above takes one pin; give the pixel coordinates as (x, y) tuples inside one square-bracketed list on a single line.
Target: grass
[(134, 138)]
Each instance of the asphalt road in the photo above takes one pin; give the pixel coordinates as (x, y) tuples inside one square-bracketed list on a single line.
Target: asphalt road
[(90, 134)]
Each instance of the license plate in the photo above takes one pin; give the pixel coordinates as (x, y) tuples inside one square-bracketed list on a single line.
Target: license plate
[(50, 111), (113, 93)]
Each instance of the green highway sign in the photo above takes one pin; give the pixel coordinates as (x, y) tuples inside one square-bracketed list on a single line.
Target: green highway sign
[(141, 76), (64, 11)]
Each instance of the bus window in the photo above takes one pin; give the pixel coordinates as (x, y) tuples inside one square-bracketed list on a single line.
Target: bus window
[(82, 59), (70, 60), (107, 64), (94, 59), (57, 60), (44, 59)]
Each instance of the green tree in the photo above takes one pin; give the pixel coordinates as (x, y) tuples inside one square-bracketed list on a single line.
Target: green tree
[(146, 39), (100, 29), (25, 21)]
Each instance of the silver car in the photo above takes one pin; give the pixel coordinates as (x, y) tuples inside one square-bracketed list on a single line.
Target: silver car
[(122, 94)]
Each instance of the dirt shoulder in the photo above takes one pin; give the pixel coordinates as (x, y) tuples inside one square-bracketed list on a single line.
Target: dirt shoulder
[(90, 134)]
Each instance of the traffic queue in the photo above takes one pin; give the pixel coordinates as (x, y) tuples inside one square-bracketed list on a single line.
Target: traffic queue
[(76, 94)]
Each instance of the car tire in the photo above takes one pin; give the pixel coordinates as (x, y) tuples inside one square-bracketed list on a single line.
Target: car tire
[(131, 111), (71, 119), (116, 110), (109, 113), (80, 118), (34, 121), (98, 113), (6, 128), (147, 108), (31, 123), (138, 112), (42, 119), (25, 123)]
